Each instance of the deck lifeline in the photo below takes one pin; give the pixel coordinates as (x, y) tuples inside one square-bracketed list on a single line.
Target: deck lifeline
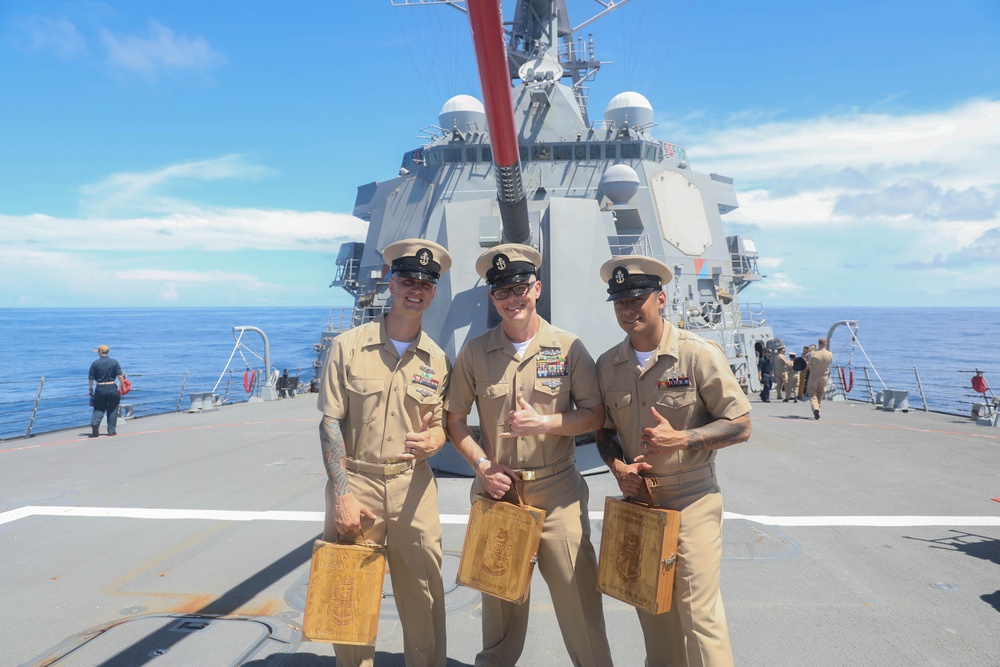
[(863, 538)]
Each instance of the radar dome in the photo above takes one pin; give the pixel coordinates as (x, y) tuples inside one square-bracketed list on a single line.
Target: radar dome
[(620, 183), (631, 108), (463, 112)]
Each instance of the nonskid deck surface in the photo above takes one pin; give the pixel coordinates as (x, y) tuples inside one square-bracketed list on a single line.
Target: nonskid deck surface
[(863, 538)]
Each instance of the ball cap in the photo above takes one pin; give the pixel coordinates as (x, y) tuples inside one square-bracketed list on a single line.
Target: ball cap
[(102, 349), (633, 276), (417, 258), (508, 263)]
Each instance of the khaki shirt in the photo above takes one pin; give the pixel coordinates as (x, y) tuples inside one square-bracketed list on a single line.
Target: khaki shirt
[(782, 365), (689, 381), (379, 396), (555, 374), (819, 365)]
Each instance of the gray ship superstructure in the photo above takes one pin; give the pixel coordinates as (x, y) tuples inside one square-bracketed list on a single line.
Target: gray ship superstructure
[(594, 189)]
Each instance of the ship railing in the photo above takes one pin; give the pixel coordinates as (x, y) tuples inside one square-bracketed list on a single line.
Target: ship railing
[(630, 244), (54, 404), (945, 391), (752, 314), (340, 319)]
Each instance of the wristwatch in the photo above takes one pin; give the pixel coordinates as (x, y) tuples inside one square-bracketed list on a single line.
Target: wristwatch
[(476, 463)]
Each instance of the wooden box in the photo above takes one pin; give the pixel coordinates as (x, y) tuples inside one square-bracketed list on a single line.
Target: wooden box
[(501, 547), (344, 595), (638, 553)]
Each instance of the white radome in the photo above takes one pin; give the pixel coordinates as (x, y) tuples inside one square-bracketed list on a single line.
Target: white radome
[(620, 182), (464, 113), (631, 108)]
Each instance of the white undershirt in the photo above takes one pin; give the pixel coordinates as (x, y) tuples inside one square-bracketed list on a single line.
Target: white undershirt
[(521, 347), (643, 357), (401, 346)]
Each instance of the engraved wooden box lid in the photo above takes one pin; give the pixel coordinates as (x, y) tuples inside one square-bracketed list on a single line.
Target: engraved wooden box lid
[(344, 596)]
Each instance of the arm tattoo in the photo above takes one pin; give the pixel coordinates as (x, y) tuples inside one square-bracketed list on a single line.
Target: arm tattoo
[(331, 440), (609, 445), (719, 434)]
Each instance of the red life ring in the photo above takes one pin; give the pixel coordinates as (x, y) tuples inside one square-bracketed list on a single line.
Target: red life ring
[(979, 384), (249, 380), (847, 379)]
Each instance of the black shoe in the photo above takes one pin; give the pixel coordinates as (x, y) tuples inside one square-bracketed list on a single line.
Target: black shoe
[(816, 414), (765, 400), (94, 432), (111, 433)]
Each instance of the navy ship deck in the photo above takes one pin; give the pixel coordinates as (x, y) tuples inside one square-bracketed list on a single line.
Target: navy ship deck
[(864, 538)]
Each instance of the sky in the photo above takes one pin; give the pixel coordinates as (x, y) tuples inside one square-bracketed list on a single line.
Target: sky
[(183, 154)]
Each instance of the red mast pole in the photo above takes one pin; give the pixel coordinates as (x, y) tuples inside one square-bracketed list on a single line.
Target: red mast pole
[(486, 23)]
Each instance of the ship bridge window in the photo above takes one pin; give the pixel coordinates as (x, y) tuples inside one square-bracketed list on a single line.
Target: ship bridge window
[(433, 158), (651, 153), (631, 151), (470, 154), (524, 153), (562, 152), (539, 153), (487, 154), (595, 152), (580, 152), (452, 154)]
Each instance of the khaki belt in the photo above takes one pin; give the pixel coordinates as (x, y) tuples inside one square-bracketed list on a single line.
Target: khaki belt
[(112, 382), (683, 477), (533, 474), (385, 469)]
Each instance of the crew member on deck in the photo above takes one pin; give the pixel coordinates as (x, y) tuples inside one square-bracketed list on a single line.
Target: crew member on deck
[(535, 387), (673, 399), (105, 399), (381, 396)]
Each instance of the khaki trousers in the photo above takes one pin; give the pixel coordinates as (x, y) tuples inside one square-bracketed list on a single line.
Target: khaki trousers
[(817, 388), (783, 384), (694, 632), (568, 563), (409, 526)]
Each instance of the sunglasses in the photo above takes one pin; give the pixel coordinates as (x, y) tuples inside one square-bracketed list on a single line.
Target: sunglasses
[(502, 293)]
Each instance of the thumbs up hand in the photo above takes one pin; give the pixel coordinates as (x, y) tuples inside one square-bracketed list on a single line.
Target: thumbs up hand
[(662, 438), (418, 444), (524, 421)]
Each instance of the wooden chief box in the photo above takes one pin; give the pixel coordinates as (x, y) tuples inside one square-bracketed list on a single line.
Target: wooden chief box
[(501, 547), (344, 595), (638, 554)]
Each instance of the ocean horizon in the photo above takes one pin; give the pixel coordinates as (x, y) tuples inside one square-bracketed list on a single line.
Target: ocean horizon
[(170, 351)]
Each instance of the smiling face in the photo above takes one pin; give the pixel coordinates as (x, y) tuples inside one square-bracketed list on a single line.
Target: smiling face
[(640, 318), (517, 309), (411, 296)]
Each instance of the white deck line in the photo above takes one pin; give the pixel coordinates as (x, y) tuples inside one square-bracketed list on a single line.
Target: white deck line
[(462, 519)]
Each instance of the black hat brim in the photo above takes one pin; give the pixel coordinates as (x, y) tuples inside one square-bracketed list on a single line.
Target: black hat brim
[(633, 293)]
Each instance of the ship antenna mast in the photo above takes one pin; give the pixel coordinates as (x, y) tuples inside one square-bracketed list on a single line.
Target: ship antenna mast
[(541, 28)]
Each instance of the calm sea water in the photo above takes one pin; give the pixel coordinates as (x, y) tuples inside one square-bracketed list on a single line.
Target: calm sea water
[(157, 347)]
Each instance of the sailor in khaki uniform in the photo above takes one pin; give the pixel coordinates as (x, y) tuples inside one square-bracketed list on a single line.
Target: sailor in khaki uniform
[(673, 399), (782, 375), (524, 378), (381, 396), (819, 375)]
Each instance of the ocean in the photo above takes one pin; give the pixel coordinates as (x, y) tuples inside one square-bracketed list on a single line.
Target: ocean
[(169, 352)]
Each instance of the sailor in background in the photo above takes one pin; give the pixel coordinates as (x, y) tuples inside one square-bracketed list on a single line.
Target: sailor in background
[(381, 396), (672, 401), (782, 375), (103, 372), (818, 368), (535, 387)]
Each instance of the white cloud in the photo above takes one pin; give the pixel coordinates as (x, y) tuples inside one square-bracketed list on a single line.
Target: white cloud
[(41, 34), (131, 193), (158, 51)]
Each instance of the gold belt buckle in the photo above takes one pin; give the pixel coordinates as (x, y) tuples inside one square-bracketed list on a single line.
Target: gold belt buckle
[(526, 475), (653, 482)]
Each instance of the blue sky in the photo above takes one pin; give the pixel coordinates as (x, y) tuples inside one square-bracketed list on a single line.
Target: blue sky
[(206, 154)]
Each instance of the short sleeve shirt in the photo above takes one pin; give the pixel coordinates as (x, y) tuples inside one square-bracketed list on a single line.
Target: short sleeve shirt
[(555, 374), (819, 365), (104, 369), (379, 396), (688, 381)]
